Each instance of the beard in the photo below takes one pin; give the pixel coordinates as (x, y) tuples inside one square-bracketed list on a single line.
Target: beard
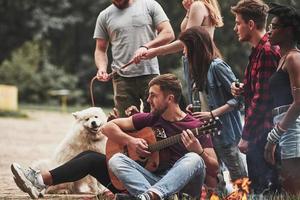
[(121, 5), (159, 111), (246, 37)]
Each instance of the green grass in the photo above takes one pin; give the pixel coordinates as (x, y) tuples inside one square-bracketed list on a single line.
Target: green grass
[(14, 114)]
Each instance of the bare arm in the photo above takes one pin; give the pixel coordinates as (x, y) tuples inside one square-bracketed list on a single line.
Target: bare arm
[(187, 5), (165, 35), (197, 13), (194, 17), (222, 110), (208, 154), (116, 130), (185, 21), (210, 158), (293, 68), (214, 113), (101, 60)]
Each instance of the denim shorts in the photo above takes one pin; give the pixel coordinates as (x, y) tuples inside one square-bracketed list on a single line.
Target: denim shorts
[(290, 140)]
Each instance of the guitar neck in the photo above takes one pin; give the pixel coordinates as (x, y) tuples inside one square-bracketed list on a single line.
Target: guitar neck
[(173, 140), (164, 143)]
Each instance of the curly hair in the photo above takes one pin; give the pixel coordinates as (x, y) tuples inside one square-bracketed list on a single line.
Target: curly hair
[(288, 17)]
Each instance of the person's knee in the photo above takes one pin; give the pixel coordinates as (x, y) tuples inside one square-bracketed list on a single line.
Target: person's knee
[(98, 159), (115, 162), (195, 160)]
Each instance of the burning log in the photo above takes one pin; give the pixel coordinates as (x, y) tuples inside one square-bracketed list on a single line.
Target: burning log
[(241, 190)]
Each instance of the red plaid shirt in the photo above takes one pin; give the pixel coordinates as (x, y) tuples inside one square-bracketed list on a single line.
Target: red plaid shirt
[(258, 104)]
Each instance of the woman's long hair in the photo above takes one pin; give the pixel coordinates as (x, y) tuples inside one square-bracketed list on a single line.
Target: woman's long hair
[(200, 50), (214, 12)]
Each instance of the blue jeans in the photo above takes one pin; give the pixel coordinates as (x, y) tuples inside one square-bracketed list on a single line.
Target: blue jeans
[(230, 155), (137, 180), (290, 140)]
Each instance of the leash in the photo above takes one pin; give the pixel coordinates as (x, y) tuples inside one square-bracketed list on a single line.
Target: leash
[(110, 75)]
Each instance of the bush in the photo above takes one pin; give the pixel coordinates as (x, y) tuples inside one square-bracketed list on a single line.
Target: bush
[(29, 69)]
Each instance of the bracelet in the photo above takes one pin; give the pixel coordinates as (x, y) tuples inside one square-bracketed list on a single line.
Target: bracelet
[(273, 136), (212, 116), (144, 47), (200, 154)]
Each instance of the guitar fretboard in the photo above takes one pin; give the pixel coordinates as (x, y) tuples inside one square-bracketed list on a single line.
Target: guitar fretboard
[(205, 129)]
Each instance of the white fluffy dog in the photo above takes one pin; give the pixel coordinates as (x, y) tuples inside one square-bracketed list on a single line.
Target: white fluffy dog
[(83, 136)]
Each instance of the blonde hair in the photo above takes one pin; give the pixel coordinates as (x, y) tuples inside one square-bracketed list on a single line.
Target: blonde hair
[(214, 12)]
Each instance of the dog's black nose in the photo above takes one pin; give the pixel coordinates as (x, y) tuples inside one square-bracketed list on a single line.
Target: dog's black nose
[(94, 123)]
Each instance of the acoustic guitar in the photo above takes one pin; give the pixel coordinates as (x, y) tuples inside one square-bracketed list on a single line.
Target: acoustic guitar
[(157, 142)]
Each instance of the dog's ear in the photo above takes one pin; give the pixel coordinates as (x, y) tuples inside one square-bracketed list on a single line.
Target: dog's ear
[(75, 115)]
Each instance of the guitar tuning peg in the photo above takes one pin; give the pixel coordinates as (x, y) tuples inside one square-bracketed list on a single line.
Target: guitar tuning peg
[(219, 132)]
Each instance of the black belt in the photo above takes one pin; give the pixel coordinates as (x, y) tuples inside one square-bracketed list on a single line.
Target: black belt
[(280, 109)]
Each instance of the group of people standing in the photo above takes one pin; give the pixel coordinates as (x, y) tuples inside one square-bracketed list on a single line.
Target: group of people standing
[(138, 31)]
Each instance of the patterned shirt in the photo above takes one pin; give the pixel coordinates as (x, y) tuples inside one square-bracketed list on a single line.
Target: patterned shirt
[(258, 103)]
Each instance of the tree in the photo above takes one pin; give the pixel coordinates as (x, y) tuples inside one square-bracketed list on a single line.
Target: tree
[(68, 26)]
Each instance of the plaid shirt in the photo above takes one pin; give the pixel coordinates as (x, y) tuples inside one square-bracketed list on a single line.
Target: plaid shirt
[(258, 104)]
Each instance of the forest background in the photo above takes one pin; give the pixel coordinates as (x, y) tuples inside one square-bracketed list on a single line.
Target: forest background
[(48, 45)]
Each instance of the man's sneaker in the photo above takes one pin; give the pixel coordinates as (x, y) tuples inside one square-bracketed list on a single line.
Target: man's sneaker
[(26, 180)]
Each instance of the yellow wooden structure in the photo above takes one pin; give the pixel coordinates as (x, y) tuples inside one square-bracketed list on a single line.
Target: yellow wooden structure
[(8, 98)]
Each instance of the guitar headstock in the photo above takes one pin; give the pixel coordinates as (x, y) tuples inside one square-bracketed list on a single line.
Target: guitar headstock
[(213, 126)]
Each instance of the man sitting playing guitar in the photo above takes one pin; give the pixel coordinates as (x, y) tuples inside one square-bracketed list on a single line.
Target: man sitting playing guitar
[(177, 165)]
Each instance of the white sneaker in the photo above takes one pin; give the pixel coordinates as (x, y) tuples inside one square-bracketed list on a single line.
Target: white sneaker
[(26, 180)]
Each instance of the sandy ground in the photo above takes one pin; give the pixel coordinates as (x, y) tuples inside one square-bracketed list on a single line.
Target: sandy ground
[(27, 140)]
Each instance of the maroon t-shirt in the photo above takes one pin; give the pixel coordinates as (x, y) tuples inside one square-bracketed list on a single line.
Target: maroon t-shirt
[(176, 151)]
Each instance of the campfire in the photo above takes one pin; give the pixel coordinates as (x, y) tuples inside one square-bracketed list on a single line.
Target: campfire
[(214, 197), (241, 190)]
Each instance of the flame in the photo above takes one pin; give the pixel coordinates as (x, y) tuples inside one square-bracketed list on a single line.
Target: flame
[(241, 189), (214, 197)]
